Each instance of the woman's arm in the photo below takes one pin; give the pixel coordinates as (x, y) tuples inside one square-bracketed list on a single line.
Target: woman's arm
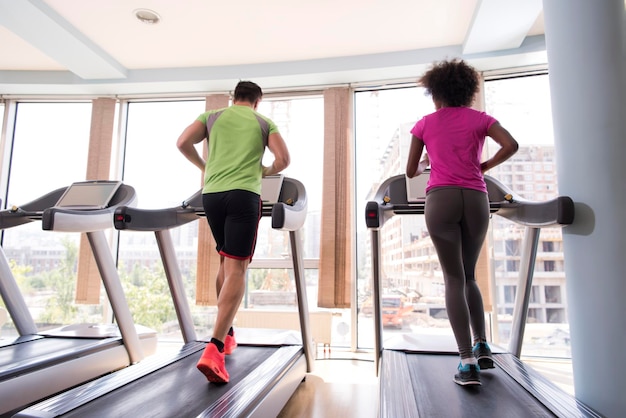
[(415, 167), (508, 146)]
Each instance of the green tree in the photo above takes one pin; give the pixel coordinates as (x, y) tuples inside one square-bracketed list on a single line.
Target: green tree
[(60, 307), (256, 277), (20, 273), (148, 296)]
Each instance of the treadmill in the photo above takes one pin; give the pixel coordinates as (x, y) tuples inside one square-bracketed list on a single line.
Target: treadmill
[(414, 371), (69, 355), (265, 369)]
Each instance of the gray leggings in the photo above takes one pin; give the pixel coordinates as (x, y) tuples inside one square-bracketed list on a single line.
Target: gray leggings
[(457, 220)]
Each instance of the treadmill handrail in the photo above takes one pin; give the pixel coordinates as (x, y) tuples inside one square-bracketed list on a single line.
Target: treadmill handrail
[(391, 198), (76, 220), (288, 214), (29, 212), (93, 223), (34, 211)]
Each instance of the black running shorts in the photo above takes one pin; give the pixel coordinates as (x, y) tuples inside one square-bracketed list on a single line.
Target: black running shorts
[(234, 220)]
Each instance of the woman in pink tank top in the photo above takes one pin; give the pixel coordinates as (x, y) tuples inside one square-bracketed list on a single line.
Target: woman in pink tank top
[(457, 206)]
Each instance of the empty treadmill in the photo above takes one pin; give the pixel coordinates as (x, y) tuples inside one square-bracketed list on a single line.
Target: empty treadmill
[(265, 369), (416, 371), (37, 364)]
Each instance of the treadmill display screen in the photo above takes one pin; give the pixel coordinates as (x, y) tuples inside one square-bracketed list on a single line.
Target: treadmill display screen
[(89, 195), (270, 188)]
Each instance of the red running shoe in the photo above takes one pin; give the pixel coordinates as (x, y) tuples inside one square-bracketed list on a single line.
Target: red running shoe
[(229, 344), (212, 365)]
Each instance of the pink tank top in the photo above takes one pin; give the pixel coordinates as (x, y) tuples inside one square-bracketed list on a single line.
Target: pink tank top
[(454, 138)]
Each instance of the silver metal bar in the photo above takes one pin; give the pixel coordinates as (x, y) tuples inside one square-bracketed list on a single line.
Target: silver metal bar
[(376, 309), (175, 282), (303, 304), (14, 301), (524, 288), (113, 287)]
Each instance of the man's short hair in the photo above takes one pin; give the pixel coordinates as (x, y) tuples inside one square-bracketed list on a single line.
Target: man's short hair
[(248, 91)]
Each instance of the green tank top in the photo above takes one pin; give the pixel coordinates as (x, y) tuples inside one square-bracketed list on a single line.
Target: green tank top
[(237, 137)]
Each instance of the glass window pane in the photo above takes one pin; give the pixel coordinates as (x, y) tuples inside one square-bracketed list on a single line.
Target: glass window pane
[(522, 105), (553, 294), (160, 174), (50, 146), (301, 124), (162, 178), (535, 294), (383, 119), (509, 294), (271, 285)]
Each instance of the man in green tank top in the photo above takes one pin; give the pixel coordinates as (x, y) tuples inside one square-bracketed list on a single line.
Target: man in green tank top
[(237, 137)]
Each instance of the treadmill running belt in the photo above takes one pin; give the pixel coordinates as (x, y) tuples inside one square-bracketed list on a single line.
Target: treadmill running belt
[(35, 354), (437, 395), (178, 390)]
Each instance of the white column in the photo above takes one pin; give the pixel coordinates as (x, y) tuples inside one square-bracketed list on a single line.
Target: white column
[(585, 56)]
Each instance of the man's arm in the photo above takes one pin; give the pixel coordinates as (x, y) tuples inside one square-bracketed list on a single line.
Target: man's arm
[(278, 148), (192, 135)]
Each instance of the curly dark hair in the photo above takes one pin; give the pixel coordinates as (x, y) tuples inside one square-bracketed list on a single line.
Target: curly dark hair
[(453, 82)]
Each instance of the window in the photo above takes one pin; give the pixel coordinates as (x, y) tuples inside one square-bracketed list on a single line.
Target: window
[(151, 132), (553, 294), (522, 106), (301, 123), (383, 119), (509, 293), (512, 265), (535, 294), (557, 316), (535, 315), (49, 151), (512, 247)]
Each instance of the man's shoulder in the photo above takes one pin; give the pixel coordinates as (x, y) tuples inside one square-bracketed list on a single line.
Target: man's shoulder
[(205, 116), (272, 126)]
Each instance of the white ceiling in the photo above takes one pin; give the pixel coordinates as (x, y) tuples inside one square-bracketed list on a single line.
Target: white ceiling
[(89, 47)]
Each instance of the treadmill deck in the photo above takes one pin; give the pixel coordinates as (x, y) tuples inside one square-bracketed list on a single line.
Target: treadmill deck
[(423, 383), (173, 387)]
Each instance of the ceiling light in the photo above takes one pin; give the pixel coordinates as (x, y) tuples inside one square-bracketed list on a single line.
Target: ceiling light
[(147, 16)]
